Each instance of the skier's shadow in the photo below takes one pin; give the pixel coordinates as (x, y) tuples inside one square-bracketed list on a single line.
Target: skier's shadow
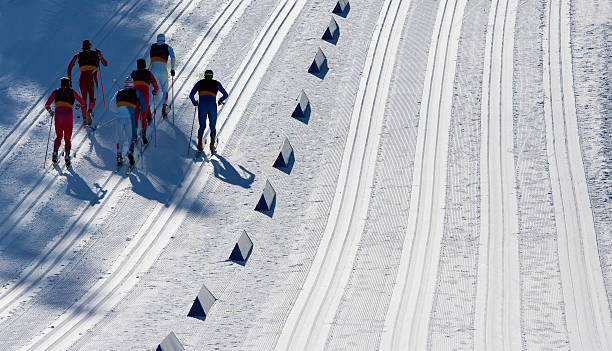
[(224, 171), (77, 188), (143, 186)]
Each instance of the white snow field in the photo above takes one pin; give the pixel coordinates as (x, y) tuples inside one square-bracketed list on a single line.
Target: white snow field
[(451, 185)]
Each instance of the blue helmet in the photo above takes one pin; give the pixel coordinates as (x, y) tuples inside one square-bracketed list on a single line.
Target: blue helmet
[(208, 74)]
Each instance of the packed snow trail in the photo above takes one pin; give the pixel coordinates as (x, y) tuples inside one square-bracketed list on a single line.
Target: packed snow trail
[(166, 218), (49, 262), (309, 321), (416, 276), (586, 303), (497, 320)]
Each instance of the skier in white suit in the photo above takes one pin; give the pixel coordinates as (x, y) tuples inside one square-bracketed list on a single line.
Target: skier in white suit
[(159, 53)]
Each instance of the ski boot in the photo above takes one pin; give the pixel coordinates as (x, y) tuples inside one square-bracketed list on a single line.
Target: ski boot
[(68, 161), (119, 160), (145, 141), (164, 111), (54, 158), (213, 149), (88, 119), (200, 147), (131, 158)]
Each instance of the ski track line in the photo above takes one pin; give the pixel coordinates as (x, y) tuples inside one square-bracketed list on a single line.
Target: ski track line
[(50, 261), (138, 257), (497, 320), (12, 139), (49, 176), (309, 322), (586, 304), (414, 288)]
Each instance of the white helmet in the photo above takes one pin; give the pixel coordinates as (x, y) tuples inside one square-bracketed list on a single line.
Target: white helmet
[(128, 82), (161, 37)]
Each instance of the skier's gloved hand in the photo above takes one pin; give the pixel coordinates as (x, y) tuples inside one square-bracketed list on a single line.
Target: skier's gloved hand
[(77, 106), (195, 103), (172, 72), (51, 112), (221, 102), (154, 92)]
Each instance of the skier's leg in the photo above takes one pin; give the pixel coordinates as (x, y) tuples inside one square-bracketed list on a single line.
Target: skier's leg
[(68, 133), (59, 132), (84, 90), (212, 119), (119, 133), (134, 131)]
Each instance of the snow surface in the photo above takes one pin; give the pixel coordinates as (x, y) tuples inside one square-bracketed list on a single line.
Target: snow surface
[(451, 186)]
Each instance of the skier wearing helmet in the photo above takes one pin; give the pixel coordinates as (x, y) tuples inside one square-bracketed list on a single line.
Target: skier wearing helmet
[(124, 104), (143, 78), (89, 64), (207, 90), (159, 53), (64, 99)]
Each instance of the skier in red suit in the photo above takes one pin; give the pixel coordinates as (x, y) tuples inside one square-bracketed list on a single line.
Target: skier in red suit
[(143, 78), (89, 64), (64, 98)]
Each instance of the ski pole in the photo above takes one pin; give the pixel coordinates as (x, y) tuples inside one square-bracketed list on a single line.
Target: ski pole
[(48, 139), (102, 85), (106, 123), (195, 108), (154, 127), (172, 100)]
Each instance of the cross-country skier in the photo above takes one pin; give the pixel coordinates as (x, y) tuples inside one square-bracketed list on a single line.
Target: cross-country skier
[(207, 90), (64, 99), (124, 104), (142, 79), (89, 64), (159, 53)]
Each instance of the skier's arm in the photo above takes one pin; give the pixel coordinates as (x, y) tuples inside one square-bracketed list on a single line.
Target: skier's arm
[(49, 102), (224, 93), (71, 65), (193, 92), (171, 55), (79, 98), (102, 59), (154, 82)]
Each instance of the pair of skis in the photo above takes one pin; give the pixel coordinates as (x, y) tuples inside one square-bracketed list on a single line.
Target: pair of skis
[(198, 154)]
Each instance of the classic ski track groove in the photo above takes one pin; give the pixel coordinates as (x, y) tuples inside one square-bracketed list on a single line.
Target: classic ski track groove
[(497, 319), (586, 305), (421, 247), (310, 319), (21, 128), (47, 178), (153, 236), (38, 270)]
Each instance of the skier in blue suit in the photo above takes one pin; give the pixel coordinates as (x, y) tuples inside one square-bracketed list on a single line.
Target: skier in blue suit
[(207, 90)]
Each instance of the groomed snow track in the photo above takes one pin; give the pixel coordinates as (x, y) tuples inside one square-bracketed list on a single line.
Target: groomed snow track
[(309, 322)]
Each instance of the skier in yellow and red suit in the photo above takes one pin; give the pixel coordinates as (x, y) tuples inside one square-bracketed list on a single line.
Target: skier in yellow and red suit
[(143, 78), (89, 64)]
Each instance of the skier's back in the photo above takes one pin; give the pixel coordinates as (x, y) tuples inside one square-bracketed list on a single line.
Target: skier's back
[(89, 64), (124, 104), (143, 78), (207, 90), (159, 53)]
